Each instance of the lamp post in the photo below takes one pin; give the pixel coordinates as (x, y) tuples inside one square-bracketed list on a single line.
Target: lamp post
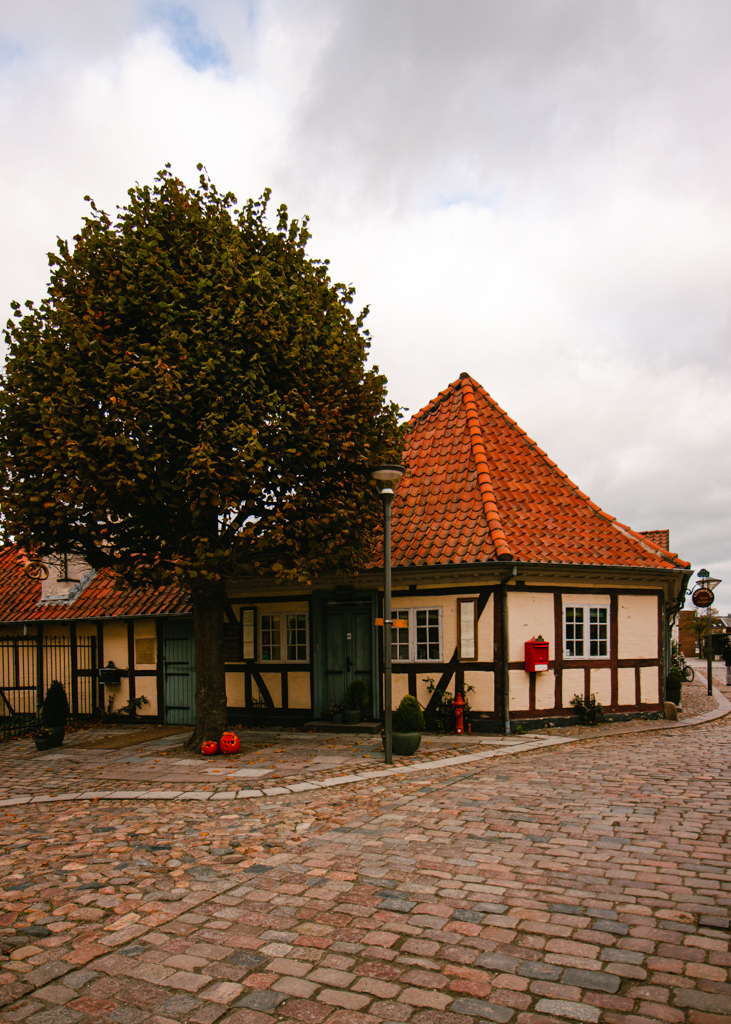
[(386, 477), (703, 598)]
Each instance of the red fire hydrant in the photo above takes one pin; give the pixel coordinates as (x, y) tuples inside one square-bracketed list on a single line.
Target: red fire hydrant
[(459, 714)]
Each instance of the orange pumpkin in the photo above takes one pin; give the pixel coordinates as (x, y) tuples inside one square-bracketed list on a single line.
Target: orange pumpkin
[(230, 743), (209, 747)]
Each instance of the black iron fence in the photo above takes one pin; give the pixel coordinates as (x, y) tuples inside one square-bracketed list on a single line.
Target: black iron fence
[(28, 665)]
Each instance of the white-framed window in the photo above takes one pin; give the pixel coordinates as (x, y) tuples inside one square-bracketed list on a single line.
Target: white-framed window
[(586, 631), (283, 637), (421, 640)]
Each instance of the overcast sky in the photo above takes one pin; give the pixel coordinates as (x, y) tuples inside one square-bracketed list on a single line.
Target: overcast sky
[(535, 191)]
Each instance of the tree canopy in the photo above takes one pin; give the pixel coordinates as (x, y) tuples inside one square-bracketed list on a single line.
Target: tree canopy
[(190, 401)]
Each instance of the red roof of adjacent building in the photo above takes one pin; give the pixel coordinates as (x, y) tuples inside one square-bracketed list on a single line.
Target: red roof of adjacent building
[(20, 596), (478, 489)]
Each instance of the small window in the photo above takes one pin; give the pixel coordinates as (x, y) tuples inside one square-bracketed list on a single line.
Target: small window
[(292, 646), (586, 631), (297, 636), (467, 622), (248, 633), (271, 638), (422, 640)]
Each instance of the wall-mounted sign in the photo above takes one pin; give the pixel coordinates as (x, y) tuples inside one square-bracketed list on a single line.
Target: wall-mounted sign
[(703, 597)]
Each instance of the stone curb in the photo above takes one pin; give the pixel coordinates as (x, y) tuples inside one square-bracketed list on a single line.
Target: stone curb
[(541, 743)]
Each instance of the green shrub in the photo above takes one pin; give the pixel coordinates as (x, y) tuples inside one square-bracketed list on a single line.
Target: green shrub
[(589, 711), (358, 696), (55, 707), (443, 715), (408, 716)]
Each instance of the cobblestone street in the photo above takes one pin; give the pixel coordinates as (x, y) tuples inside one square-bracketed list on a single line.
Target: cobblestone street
[(584, 882)]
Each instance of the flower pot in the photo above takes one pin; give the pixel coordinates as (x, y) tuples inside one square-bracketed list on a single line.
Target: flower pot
[(57, 735), (337, 718), (352, 716), (405, 743), (673, 690), (43, 742)]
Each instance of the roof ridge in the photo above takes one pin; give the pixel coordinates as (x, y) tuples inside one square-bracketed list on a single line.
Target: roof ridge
[(647, 543), (484, 482)]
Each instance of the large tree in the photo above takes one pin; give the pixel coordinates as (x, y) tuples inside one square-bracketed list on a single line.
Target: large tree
[(191, 403)]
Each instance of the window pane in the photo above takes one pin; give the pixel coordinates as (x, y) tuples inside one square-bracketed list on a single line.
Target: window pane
[(271, 642), (467, 629), (574, 632), (428, 646), (297, 636), (400, 637), (598, 635), (247, 621)]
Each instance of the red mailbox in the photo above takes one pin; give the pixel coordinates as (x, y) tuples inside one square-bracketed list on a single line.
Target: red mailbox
[(536, 655)]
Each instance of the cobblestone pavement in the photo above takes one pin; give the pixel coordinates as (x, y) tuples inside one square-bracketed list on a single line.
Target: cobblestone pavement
[(579, 882)]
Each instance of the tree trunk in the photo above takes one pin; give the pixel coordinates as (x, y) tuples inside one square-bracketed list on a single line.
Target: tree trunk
[(210, 694)]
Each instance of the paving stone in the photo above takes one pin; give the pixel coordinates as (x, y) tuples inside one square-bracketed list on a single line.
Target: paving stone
[(261, 999), (569, 1009), (483, 1009), (591, 980)]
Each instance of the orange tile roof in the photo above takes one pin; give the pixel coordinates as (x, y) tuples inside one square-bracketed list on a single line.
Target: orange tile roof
[(479, 489), (659, 537), (19, 597)]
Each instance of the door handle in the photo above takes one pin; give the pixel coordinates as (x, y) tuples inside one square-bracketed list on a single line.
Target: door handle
[(348, 664)]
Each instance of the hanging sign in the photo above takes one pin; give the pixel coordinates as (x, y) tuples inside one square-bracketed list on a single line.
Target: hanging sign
[(703, 597)]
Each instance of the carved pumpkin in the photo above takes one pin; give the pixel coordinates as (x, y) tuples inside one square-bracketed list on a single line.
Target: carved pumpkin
[(209, 747), (230, 743)]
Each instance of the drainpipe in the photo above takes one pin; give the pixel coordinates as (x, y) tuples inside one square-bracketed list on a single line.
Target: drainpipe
[(504, 642)]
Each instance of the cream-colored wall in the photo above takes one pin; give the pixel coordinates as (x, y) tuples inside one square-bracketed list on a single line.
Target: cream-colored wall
[(422, 694), (626, 688), (572, 682), (399, 688), (273, 683), (298, 689), (545, 690), (637, 618), (146, 686), (601, 685), (530, 615), (115, 644), (235, 689), (650, 684), (483, 699), (519, 690)]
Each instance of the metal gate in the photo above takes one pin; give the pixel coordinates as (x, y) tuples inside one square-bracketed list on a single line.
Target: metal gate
[(179, 673), (28, 665)]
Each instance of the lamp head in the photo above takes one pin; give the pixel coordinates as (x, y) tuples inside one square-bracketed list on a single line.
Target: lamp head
[(386, 477)]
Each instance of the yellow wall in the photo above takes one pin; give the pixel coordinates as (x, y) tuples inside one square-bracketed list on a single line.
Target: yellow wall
[(519, 690), (399, 688), (601, 685), (530, 615), (626, 679), (298, 688), (650, 684), (235, 689), (637, 620), (571, 684), (486, 631), (273, 683), (483, 699), (545, 690)]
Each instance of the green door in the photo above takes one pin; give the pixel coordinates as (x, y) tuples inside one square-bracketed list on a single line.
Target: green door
[(179, 673), (348, 649)]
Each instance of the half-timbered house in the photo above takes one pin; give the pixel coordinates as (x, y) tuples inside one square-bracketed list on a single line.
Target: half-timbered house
[(493, 547)]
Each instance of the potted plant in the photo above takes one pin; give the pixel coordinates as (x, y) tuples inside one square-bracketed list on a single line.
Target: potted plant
[(356, 701), (408, 725), (54, 712), (336, 710), (674, 685), (43, 739)]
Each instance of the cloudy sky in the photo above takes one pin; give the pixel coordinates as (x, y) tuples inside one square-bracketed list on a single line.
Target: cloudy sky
[(535, 191)]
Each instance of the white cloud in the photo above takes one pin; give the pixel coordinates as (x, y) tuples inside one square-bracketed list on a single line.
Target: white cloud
[(536, 191)]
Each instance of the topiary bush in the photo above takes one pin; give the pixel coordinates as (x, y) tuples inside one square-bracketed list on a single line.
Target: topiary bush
[(55, 707), (408, 716), (358, 696)]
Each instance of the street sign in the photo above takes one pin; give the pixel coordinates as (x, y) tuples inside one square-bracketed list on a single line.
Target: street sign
[(703, 598)]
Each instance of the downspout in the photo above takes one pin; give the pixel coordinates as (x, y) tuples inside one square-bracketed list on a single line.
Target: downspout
[(504, 641)]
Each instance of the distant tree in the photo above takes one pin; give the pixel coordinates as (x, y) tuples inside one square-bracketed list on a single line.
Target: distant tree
[(190, 403)]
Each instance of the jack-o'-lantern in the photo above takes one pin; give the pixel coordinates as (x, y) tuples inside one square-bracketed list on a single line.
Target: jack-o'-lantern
[(209, 747), (230, 743)]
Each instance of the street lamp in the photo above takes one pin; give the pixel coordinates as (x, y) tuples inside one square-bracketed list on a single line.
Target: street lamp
[(703, 598), (386, 478)]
